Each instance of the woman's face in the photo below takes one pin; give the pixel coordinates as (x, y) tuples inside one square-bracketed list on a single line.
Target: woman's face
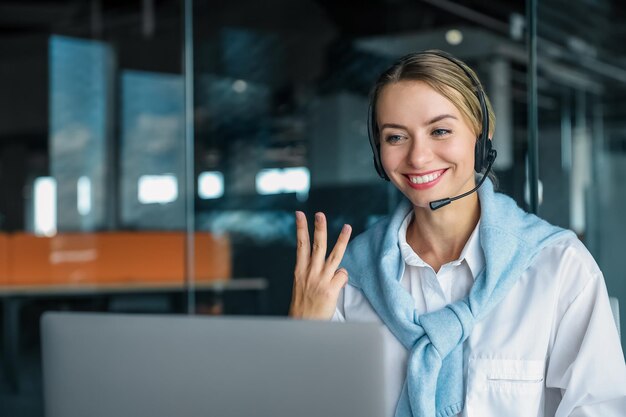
[(427, 148)]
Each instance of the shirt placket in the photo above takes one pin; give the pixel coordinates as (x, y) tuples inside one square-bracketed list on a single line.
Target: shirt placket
[(434, 295)]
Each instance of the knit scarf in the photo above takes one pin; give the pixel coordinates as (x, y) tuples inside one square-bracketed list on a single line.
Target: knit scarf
[(509, 237)]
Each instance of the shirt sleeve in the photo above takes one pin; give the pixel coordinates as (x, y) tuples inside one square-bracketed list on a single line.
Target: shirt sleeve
[(586, 362)]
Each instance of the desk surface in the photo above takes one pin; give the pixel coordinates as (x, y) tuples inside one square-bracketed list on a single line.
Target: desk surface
[(241, 284), (12, 296)]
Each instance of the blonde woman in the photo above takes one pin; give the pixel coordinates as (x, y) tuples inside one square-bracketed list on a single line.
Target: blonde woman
[(490, 311)]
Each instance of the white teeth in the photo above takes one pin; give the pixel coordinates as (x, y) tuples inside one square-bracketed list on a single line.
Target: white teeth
[(421, 179)]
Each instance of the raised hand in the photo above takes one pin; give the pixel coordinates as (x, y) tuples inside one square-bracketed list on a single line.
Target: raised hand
[(317, 281)]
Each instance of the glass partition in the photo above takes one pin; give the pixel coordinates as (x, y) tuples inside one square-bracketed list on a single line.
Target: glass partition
[(581, 84), (281, 100), (91, 166)]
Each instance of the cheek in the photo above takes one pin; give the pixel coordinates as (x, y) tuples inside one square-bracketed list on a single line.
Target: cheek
[(388, 158), (384, 156), (461, 151)]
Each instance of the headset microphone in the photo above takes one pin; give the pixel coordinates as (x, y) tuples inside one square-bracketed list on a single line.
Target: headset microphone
[(437, 204)]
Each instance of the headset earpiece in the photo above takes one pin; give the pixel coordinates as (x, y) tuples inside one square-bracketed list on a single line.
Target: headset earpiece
[(482, 151)]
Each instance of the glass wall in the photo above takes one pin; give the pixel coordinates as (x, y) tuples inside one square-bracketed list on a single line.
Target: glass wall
[(104, 208), (581, 84), (92, 214), (281, 99)]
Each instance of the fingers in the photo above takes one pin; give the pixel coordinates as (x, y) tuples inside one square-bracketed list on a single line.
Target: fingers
[(340, 279), (315, 260), (317, 281), (318, 256), (303, 251), (334, 259)]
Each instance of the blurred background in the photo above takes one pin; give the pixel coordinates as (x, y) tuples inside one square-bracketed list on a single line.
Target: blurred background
[(152, 152)]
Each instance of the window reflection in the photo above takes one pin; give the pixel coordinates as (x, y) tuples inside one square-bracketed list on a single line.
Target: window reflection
[(151, 144), (81, 89), (45, 204), (161, 189), (83, 190), (210, 185), (287, 180)]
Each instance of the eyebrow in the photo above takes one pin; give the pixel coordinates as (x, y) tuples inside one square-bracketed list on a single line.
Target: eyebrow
[(430, 122), (440, 117)]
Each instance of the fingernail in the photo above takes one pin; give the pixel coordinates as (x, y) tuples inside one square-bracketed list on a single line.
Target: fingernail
[(318, 217), (299, 215), (346, 228)]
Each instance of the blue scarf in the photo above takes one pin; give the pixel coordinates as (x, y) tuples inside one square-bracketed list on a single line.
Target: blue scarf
[(510, 238)]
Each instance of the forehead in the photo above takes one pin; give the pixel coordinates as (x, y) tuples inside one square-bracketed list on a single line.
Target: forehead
[(408, 102), (414, 99)]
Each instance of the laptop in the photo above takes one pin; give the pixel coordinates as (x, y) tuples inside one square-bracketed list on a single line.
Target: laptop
[(116, 365)]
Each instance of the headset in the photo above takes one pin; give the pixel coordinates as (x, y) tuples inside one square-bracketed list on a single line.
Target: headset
[(484, 154)]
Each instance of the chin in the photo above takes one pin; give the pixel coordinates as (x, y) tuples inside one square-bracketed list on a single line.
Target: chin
[(419, 201)]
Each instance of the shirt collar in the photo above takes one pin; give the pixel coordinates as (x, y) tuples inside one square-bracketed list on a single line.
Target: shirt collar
[(408, 254), (472, 253)]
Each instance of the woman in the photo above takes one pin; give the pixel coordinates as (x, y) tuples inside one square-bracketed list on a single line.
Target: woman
[(490, 311)]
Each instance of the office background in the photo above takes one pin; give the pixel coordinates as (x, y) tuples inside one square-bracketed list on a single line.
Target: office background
[(152, 152)]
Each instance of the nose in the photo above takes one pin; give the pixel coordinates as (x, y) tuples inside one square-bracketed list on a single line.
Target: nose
[(420, 153)]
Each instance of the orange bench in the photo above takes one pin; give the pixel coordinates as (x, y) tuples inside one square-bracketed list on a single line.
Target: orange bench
[(110, 258)]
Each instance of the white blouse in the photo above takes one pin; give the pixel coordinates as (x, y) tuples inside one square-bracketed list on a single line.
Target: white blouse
[(550, 348)]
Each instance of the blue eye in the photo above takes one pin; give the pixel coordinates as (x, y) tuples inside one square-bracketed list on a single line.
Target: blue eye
[(393, 139), (440, 132)]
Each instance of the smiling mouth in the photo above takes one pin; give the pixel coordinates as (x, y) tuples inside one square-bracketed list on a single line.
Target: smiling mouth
[(426, 178)]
